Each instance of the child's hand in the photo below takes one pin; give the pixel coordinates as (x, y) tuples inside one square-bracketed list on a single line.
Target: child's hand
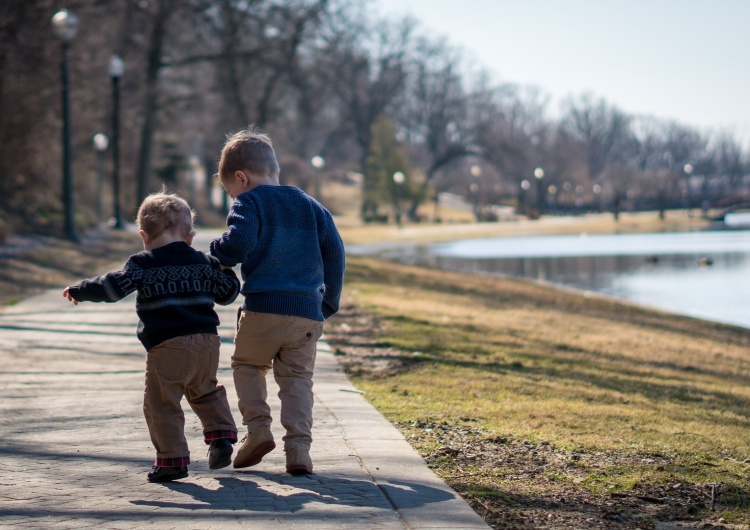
[(67, 295)]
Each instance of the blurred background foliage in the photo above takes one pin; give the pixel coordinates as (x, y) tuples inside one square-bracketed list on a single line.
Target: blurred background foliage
[(370, 97)]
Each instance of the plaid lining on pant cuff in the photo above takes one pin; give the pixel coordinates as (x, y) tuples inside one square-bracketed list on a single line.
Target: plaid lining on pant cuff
[(172, 462), (218, 435)]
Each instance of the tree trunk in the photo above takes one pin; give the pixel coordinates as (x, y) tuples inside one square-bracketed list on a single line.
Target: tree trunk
[(149, 109)]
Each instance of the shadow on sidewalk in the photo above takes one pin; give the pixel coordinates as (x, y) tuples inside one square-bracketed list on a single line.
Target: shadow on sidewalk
[(11, 327), (245, 493), (37, 456)]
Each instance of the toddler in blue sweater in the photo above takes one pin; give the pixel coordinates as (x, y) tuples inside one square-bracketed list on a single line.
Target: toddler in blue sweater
[(177, 287), (292, 264)]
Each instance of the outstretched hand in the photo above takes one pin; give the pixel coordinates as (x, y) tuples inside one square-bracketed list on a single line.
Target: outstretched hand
[(67, 295)]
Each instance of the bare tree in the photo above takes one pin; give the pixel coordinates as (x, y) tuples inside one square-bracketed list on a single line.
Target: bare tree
[(564, 163), (366, 68), (513, 132), (604, 135), (366, 76), (30, 111), (157, 15), (653, 160), (433, 110), (29, 56), (600, 128), (732, 163)]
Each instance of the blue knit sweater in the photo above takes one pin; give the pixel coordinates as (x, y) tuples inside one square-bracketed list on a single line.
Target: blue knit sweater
[(291, 253), (177, 286)]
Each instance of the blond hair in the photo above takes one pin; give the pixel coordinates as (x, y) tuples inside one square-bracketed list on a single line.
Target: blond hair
[(161, 211), (249, 149)]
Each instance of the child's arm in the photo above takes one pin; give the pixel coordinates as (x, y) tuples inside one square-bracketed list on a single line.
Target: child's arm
[(226, 286), (334, 263), (110, 287), (241, 236)]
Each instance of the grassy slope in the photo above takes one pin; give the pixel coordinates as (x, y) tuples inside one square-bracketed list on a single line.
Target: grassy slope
[(662, 399), (542, 362), (37, 263)]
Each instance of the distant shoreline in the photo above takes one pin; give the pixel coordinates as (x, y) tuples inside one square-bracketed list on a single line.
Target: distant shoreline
[(355, 232)]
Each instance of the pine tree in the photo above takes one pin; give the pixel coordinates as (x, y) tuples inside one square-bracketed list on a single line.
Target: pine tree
[(385, 157)]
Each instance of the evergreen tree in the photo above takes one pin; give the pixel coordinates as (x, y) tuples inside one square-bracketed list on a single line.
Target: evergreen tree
[(385, 157)]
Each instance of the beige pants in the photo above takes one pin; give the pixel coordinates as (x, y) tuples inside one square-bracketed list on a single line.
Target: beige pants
[(288, 344), (183, 366)]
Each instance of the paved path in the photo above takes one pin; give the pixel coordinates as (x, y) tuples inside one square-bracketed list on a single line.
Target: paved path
[(74, 450)]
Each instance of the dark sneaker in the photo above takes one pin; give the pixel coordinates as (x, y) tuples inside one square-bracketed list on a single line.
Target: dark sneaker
[(219, 454), (167, 474)]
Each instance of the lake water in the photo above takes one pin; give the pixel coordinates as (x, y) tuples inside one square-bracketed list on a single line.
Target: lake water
[(701, 274)]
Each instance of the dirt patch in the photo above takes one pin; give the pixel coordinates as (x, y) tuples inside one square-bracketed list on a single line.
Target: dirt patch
[(354, 336), (515, 483)]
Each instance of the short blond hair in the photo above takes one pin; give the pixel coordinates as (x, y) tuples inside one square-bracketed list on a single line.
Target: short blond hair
[(162, 211), (249, 149)]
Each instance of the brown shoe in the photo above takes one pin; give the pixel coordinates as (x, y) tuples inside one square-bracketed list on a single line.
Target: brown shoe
[(255, 446), (298, 461)]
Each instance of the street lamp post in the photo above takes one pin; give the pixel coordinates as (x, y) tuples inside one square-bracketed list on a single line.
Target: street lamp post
[(116, 69), (597, 189), (101, 143), (318, 163), (398, 179), (539, 175), (65, 27), (475, 188), (579, 197), (524, 189), (552, 192), (688, 169)]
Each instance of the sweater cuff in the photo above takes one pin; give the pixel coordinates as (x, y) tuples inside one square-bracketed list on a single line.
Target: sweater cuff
[(218, 254)]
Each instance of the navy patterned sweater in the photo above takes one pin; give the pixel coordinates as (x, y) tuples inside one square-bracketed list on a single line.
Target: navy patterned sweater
[(177, 286), (291, 253)]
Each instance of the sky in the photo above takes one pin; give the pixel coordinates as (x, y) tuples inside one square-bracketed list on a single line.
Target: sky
[(681, 60)]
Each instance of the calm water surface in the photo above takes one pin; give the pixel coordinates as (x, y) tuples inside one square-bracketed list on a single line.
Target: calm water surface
[(702, 274)]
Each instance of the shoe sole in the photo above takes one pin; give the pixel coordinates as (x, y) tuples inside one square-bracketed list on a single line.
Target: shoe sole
[(168, 478), (256, 456), (222, 459), (299, 470)]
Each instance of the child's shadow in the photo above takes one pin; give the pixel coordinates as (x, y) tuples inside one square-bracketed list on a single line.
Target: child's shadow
[(236, 494), (232, 494)]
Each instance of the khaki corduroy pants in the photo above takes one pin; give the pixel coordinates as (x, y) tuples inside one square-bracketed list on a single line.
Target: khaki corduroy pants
[(184, 366), (288, 345)]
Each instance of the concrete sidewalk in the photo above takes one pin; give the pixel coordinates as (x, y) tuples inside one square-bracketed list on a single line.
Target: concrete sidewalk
[(74, 449)]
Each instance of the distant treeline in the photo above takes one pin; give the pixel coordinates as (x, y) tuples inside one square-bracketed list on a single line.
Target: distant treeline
[(325, 78)]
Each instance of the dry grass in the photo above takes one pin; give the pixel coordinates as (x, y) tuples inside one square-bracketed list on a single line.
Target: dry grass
[(661, 399), (609, 359), (31, 264)]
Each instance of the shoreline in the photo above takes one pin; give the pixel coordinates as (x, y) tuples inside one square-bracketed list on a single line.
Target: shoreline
[(586, 293), (599, 224), (354, 232)]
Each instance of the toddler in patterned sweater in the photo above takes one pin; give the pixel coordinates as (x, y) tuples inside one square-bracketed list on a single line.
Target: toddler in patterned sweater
[(176, 289)]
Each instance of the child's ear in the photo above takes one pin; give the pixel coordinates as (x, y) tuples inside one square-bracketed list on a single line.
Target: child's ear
[(144, 235), (241, 176)]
